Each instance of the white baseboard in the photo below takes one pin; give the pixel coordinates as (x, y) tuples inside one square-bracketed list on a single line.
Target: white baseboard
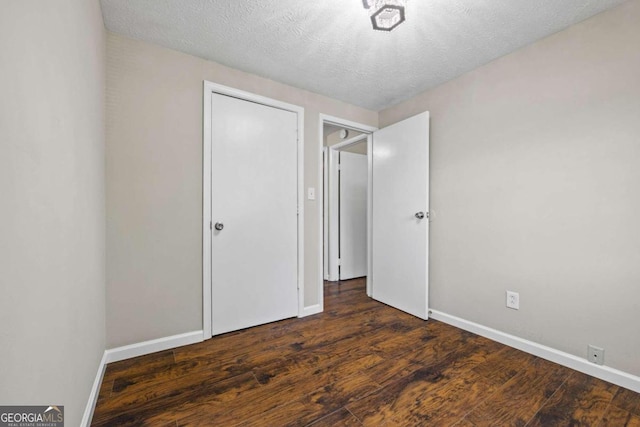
[(93, 396), (148, 347), (312, 309), (127, 352), (615, 376)]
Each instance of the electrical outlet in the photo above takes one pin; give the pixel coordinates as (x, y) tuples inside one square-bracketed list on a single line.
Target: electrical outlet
[(595, 354), (513, 300)]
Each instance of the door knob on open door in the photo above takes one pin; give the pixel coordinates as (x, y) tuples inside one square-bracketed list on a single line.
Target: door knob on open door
[(420, 215), (219, 226)]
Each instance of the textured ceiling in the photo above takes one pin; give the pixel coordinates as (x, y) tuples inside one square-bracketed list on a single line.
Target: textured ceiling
[(329, 47)]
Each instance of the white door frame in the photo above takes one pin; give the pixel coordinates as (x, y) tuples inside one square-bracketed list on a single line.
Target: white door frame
[(331, 235), (323, 208), (209, 89)]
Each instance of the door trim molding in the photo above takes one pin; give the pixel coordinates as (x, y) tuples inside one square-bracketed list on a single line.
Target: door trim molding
[(323, 171), (209, 88), (349, 142)]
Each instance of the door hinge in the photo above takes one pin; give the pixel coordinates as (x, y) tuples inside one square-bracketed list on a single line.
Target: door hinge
[(210, 225), (339, 262)]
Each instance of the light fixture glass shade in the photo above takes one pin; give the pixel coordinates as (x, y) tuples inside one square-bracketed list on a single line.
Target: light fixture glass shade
[(386, 14)]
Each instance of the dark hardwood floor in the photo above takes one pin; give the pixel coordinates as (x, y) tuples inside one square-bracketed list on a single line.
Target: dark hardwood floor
[(358, 363)]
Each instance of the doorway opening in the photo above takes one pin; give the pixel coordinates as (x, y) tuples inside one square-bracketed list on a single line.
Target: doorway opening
[(346, 160), (397, 212)]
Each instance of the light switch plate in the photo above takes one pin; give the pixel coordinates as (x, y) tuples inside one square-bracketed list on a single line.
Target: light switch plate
[(311, 193)]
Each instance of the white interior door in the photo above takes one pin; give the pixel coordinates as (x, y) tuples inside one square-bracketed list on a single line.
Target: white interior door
[(254, 212), (353, 215), (400, 237)]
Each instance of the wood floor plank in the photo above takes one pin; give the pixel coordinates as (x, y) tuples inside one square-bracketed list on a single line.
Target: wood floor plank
[(105, 391), (323, 401), (443, 375), (521, 397), (504, 364), (333, 384), (455, 341), (390, 370), (308, 365), (581, 400), (300, 375), (138, 383), (399, 342), (463, 423), (616, 417), (352, 343), (357, 363), (272, 404), (340, 418), (443, 405), (379, 408), (627, 400), (139, 418), (451, 356), (139, 365), (168, 397), (236, 346)]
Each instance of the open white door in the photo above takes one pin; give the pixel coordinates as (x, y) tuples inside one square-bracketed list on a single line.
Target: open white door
[(353, 215), (254, 245), (400, 229)]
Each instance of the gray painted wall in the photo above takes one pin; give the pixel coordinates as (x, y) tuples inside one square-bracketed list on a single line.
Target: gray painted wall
[(535, 185), (154, 184), (52, 250)]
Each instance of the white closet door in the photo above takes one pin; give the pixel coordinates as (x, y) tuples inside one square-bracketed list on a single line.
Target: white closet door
[(254, 207), (353, 215), (400, 215)]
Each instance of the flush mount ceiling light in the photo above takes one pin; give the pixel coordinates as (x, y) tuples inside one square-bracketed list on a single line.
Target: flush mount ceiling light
[(385, 14)]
